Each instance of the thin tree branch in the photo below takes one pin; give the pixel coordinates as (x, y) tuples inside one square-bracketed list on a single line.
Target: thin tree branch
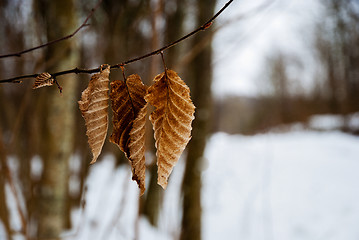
[(76, 70), (84, 24)]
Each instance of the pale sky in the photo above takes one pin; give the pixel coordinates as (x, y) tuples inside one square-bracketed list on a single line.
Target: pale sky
[(241, 49)]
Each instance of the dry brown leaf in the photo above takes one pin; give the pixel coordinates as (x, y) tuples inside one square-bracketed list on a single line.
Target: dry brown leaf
[(42, 80), (129, 118), (94, 109), (171, 120)]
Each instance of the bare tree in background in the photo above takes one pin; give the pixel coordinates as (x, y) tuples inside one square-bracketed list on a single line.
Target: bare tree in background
[(151, 204), (4, 213), (337, 46), (281, 87), (200, 78), (59, 17)]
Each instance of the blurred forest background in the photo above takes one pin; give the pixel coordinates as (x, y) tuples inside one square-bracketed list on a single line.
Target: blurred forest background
[(40, 129)]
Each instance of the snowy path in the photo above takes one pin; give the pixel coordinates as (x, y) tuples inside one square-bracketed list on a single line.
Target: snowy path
[(299, 185), (296, 185)]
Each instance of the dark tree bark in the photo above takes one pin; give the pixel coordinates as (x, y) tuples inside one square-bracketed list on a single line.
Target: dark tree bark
[(124, 37), (338, 50), (174, 29), (280, 83), (4, 214), (200, 75), (59, 19)]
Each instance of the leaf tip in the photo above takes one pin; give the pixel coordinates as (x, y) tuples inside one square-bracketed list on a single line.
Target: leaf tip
[(162, 181), (94, 159), (141, 184)]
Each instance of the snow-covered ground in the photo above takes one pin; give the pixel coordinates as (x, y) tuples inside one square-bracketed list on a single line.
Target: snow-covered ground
[(294, 185), (298, 185), (335, 122)]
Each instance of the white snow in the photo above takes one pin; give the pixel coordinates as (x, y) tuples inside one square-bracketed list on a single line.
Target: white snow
[(294, 185), (36, 167), (298, 185), (110, 204), (334, 122)]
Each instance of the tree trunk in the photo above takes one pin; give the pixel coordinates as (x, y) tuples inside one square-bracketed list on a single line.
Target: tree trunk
[(151, 205), (174, 29), (4, 214), (200, 75), (60, 20)]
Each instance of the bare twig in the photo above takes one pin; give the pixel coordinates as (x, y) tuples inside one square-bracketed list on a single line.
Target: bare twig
[(84, 24), (76, 70)]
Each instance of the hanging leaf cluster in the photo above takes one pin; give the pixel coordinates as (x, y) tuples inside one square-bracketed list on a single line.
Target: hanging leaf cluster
[(171, 119)]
